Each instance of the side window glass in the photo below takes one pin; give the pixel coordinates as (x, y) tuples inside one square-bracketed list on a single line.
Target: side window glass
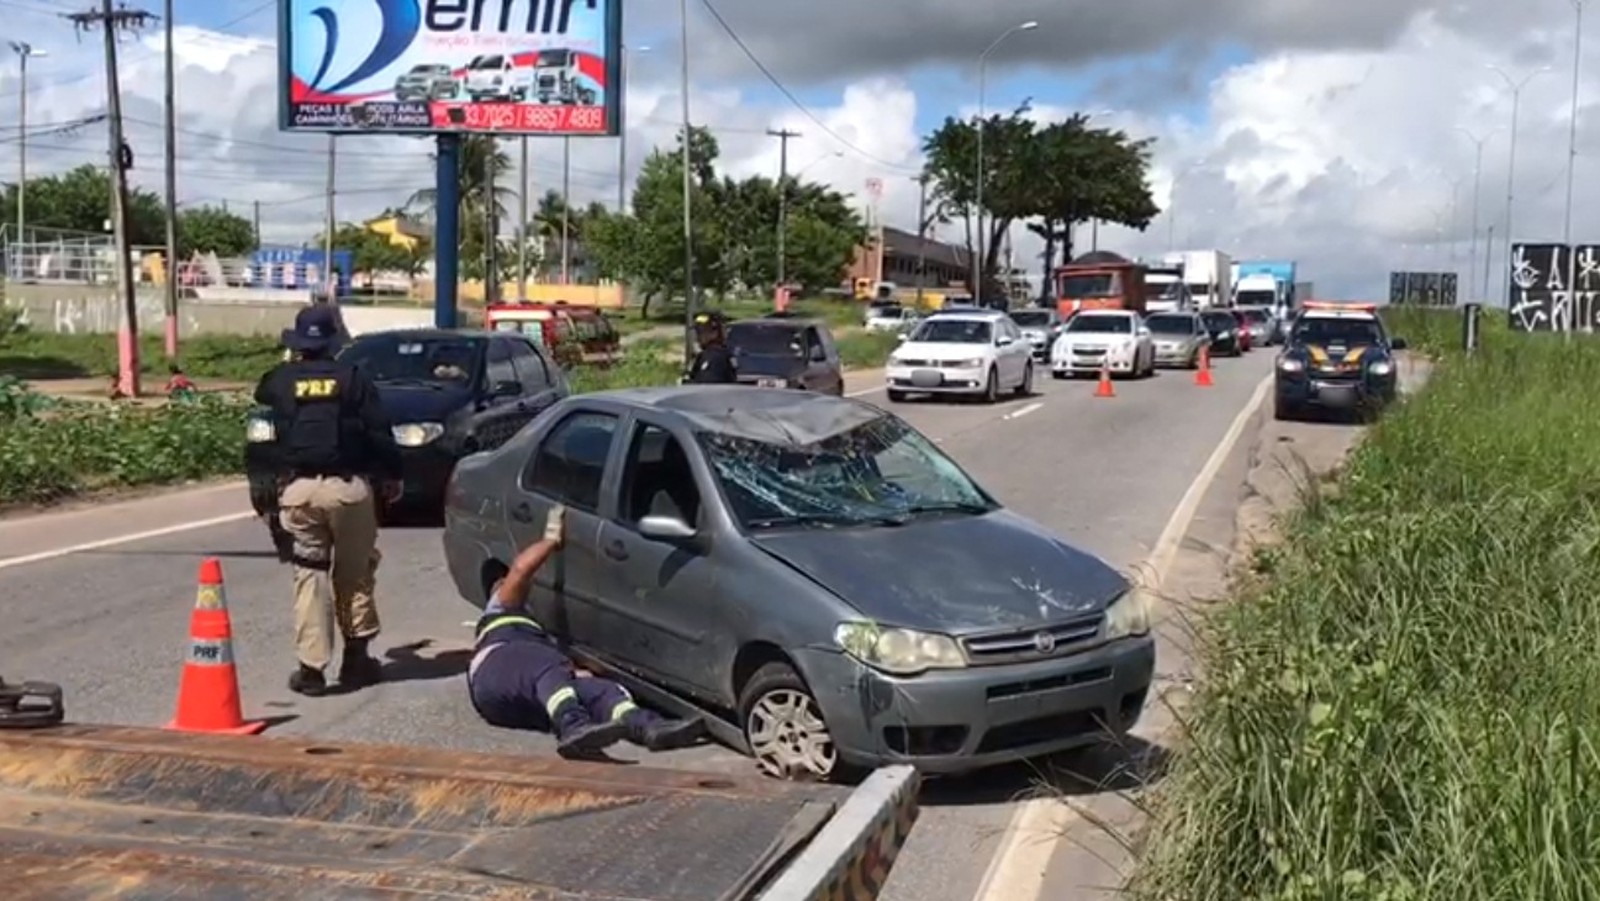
[(658, 480), (569, 465), (499, 365), (530, 367)]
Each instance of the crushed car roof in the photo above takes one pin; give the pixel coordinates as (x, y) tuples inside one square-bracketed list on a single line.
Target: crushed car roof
[(772, 415)]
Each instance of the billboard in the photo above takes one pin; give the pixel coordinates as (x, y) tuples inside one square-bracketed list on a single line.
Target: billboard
[(1422, 289), (513, 67), (1539, 299)]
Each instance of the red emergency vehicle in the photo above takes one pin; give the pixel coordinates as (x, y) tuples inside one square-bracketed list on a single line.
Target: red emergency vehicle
[(573, 333)]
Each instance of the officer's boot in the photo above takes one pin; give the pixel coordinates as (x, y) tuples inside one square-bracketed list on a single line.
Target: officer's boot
[(657, 733), (358, 669), (308, 681), (578, 735)]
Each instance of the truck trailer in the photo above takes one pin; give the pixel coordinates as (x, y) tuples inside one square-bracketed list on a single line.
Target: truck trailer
[(90, 811), (1208, 276)]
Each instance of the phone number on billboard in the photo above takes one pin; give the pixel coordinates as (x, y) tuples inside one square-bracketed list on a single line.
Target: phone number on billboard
[(530, 118)]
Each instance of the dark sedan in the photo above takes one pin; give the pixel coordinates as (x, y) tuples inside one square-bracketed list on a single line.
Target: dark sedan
[(780, 352), (1223, 327), (448, 393)]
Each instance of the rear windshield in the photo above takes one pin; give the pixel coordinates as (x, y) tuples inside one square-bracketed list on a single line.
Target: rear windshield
[(1171, 325), (1031, 318), (1338, 331), (404, 359), (1116, 325), (771, 340)]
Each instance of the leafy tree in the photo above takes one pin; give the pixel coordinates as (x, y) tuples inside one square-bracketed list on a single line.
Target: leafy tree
[(1008, 181), (210, 229), (79, 200)]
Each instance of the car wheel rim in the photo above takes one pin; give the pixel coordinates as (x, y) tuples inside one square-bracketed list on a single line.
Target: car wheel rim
[(788, 737)]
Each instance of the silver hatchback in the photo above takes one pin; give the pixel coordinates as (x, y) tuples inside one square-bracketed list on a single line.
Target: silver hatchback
[(812, 574), (1179, 338)]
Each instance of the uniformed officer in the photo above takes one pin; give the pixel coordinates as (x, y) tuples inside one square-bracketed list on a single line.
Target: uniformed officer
[(334, 440), (520, 679), (714, 364)]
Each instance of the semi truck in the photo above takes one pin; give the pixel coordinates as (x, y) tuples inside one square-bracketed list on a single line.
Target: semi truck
[(1266, 283), (90, 811), (1164, 288), (1100, 280), (1208, 276)]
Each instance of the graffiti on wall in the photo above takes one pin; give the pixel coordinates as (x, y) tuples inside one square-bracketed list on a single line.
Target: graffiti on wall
[(1541, 299), (1428, 289)]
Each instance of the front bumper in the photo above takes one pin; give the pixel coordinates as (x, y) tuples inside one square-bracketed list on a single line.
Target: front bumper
[(951, 721), (1074, 360), (425, 472), (1331, 393), (1177, 355), (923, 379)]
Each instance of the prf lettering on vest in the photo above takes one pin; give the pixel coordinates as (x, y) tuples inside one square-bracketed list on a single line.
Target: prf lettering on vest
[(312, 389)]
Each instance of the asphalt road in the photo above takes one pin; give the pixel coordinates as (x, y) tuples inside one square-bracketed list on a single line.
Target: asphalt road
[(108, 620)]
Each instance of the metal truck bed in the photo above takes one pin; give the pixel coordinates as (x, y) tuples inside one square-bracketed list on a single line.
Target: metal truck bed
[(98, 812)]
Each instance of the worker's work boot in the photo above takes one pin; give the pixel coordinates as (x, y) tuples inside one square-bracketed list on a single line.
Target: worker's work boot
[(358, 669), (658, 734), (308, 681), (579, 736)]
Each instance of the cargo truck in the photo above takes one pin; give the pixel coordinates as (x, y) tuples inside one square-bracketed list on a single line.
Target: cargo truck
[(1208, 275), (1164, 289), (111, 811), (1100, 280)]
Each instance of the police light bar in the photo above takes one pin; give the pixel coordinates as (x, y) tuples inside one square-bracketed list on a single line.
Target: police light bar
[(1340, 306)]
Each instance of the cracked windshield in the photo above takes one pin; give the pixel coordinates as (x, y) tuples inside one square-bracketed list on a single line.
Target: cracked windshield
[(880, 472)]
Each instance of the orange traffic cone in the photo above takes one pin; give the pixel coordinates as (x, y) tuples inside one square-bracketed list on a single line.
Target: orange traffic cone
[(208, 690), (1104, 389), (1202, 376)]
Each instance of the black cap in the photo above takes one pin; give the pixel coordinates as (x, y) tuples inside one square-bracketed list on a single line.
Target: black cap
[(316, 328)]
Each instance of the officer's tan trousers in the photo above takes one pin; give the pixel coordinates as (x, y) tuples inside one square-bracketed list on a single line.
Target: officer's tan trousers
[(334, 524)]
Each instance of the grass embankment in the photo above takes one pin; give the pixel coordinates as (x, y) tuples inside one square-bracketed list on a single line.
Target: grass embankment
[(1405, 707)]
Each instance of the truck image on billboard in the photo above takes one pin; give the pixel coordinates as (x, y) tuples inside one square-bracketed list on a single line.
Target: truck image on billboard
[(515, 67)]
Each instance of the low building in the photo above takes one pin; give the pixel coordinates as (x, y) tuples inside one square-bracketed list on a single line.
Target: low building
[(910, 261), (402, 231)]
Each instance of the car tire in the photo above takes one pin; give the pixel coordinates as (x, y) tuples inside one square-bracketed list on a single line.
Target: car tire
[(783, 725), (896, 397), (1025, 387), (1282, 410), (1059, 376), (991, 389)]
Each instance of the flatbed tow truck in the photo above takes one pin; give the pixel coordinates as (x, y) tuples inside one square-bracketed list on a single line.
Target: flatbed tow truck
[(118, 812)]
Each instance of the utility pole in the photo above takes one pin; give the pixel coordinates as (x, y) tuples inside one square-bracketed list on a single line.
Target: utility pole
[(491, 228), (255, 209), (783, 135), (688, 188), (522, 224), (328, 221), (170, 126), (110, 20), (922, 235), (24, 50), (566, 211), (1572, 168)]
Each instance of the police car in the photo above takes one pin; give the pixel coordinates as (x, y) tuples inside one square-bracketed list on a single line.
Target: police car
[(1337, 357)]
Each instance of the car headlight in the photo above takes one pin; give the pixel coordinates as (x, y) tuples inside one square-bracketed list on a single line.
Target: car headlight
[(260, 431), (1289, 364), (1128, 615), (416, 434), (902, 652), (974, 363), (1382, 367)]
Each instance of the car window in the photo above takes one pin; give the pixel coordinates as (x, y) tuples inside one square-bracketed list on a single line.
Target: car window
[(500, 366), (813, 344), (1338, 331), (945, 330), (1117, 325), (569, 465), (1032, 318), (1171, 325), (880, 470), (765, 339), (530, 367), (408, 358), (658, 480)]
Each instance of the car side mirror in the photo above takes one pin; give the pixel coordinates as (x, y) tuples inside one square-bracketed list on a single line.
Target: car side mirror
[(505, 389), (1397, 343), (665, 528), (1002, 341)]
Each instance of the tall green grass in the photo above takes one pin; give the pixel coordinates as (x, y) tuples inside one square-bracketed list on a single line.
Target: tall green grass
[(1410, 707)]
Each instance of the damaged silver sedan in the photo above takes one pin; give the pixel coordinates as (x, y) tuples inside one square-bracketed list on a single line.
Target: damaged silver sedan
[(810, 571)]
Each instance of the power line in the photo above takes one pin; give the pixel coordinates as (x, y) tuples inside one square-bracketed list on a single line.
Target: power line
[(806, 111)]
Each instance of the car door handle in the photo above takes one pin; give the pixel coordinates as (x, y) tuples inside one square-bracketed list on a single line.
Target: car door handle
[(616, 550), (522, 513)]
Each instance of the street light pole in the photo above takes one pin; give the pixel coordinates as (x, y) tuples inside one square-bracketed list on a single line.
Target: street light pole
[(24, 50), (1572, 167), (688, 191), (983, 70), (1516, 86), (1477, 186)]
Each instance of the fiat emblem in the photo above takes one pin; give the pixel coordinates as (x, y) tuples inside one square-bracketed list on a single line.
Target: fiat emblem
[(1044, 642)]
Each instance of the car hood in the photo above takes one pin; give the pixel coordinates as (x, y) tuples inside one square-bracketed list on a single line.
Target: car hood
[(779, 366), (421, 403), (939, 350), (957, 575)]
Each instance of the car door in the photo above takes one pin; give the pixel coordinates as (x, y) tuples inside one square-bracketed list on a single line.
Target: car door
[(498, 417), (539, 383), (1013, 350), (658, 600), (833, 366), (568, 466)]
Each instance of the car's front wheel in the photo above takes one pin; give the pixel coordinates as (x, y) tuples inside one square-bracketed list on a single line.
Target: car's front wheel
[(896, 397), (1025, 388), (784, 726), (991, 389)]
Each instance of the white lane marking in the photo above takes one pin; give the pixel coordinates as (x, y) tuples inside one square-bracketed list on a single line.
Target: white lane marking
[(864, 391), (1019, 867), (1018, 414), (123, 539)]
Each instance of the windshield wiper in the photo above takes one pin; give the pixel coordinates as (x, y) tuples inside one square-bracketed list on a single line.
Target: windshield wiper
[(823, 520), (976, 509)]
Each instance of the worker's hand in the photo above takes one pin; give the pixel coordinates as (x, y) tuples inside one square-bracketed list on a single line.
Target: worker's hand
[(555, 525)]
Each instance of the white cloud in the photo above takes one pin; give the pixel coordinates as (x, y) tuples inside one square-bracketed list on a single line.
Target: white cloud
[(1343, 160)]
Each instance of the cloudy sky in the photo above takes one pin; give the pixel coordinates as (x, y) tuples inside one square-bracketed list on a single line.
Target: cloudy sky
[(1328, 133)]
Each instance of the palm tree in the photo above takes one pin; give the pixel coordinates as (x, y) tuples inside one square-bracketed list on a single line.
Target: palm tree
[(479, 155)]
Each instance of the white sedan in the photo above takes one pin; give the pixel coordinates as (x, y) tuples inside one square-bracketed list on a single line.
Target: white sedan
[(1116, 340), (980, 352)]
